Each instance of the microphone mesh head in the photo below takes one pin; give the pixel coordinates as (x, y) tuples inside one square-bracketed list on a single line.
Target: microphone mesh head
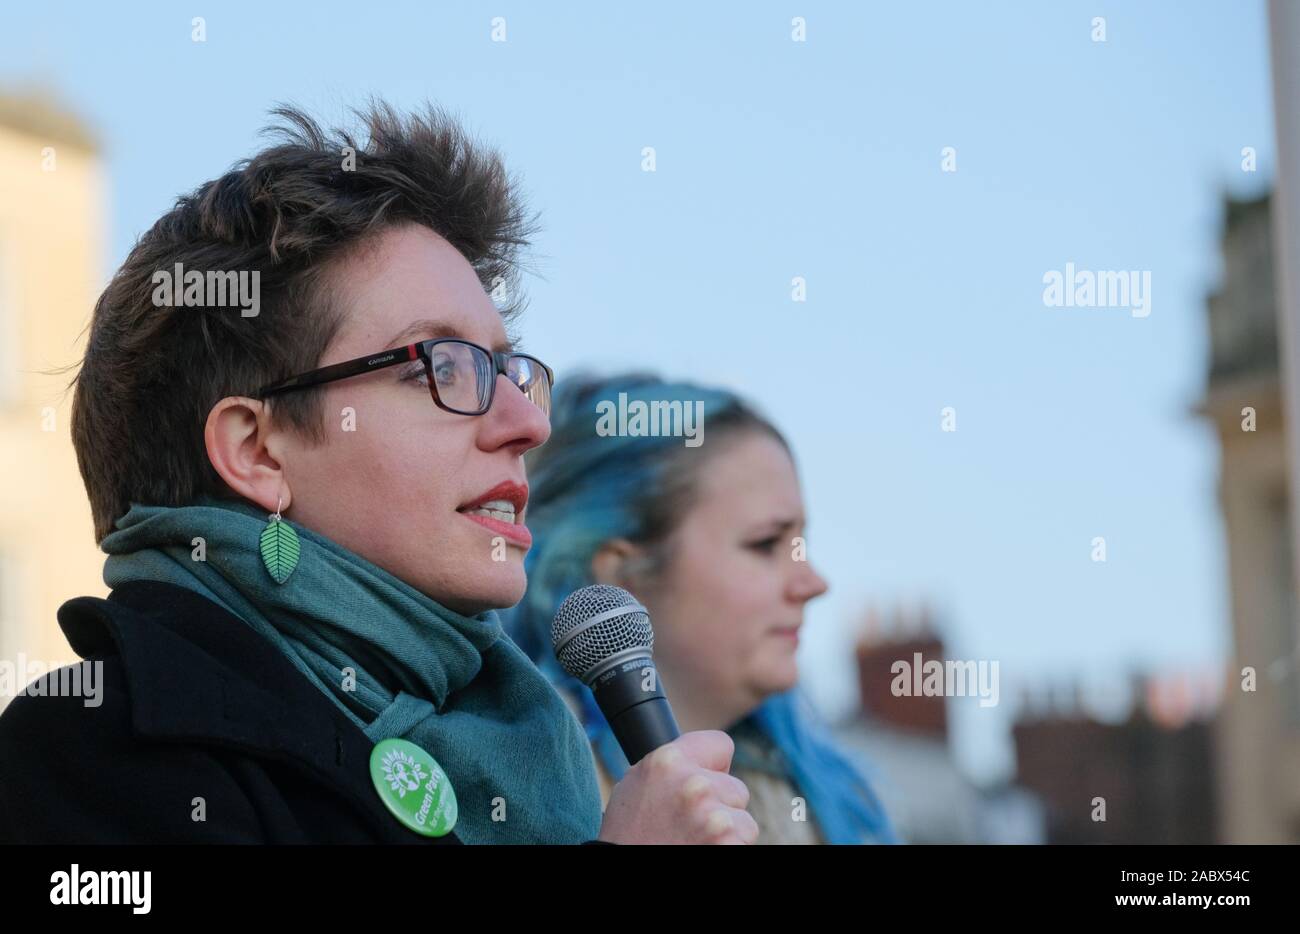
[(580, 647)]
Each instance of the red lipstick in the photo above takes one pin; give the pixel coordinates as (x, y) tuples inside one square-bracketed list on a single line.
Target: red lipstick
[(514, 493)]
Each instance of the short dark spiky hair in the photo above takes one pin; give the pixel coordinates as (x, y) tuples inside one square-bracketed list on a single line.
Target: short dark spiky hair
[(151, 374)]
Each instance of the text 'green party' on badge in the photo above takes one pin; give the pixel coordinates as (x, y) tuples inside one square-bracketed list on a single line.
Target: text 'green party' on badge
[(413, 787)]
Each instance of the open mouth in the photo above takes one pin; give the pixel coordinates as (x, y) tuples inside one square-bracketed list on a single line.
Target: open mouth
[(500, 510)]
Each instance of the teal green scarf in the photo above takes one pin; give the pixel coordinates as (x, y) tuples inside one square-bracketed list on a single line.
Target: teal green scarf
[(457, 686)]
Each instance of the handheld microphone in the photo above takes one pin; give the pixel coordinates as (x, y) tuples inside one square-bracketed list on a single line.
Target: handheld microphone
[(603, 637)]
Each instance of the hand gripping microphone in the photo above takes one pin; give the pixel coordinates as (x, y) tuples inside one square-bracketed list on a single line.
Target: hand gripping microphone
[(602, 637)]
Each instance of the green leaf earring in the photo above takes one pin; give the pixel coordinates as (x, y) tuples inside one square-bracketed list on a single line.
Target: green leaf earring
[(279, 546)]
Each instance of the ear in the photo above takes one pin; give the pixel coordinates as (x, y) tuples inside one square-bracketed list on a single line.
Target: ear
[(616, 562), (240, 443)]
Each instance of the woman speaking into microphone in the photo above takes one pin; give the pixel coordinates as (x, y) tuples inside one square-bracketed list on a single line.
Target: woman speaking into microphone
[(312, 496)]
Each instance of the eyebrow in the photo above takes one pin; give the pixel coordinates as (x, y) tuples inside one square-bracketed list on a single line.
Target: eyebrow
[(433, 328), (777, 525)]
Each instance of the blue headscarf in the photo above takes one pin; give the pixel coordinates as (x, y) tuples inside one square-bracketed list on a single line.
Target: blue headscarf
[(586, 489)]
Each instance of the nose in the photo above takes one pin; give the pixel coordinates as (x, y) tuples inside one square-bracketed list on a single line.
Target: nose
[(805, 583), (513, 422)]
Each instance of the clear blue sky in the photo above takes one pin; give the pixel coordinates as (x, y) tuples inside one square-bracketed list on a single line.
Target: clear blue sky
[(821, 159)]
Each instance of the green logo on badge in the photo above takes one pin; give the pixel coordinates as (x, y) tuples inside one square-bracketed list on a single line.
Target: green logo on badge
[(413, 787)]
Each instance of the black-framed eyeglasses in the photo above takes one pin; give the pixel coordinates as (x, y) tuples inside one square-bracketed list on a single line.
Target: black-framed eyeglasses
[(462, 375)]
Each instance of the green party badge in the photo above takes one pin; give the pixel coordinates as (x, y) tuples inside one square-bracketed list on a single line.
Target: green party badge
[(413, 787)]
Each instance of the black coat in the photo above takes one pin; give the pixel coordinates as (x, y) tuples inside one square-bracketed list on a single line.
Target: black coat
[(195, 704)]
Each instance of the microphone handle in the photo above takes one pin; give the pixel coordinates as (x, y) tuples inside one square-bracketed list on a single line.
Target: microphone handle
[(634, 705)]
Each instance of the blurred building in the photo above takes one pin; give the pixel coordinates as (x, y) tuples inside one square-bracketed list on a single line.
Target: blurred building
[(1153, 772), (1258, 742), (51, 267), (902, 744)]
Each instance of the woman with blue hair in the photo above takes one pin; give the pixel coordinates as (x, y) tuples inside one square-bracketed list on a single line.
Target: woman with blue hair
[(708, 536)]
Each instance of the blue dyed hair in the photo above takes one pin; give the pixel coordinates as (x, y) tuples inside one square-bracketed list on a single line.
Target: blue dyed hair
[(586, 489)]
